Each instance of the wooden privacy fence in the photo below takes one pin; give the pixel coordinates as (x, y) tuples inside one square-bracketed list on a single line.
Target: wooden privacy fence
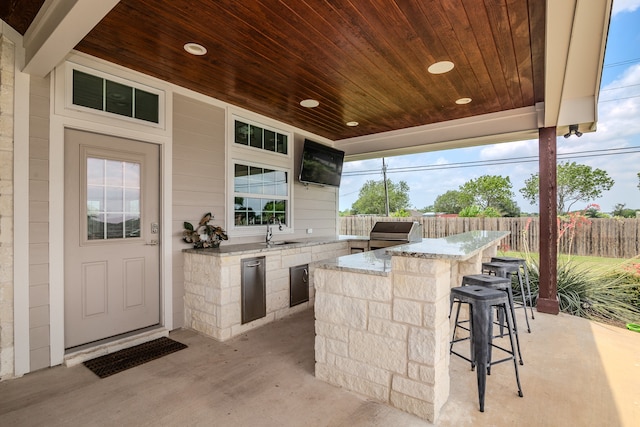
[(604, 237)]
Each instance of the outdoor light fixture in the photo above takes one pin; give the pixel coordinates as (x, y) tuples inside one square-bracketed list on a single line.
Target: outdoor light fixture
[(573, 130), (195, 49)]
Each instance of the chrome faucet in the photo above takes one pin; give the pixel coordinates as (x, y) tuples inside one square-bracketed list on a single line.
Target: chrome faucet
[(269, 232)]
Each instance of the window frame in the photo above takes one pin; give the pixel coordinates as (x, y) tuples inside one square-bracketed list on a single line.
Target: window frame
[(264, 196), (247, 155), (106, 154), (69, 105)]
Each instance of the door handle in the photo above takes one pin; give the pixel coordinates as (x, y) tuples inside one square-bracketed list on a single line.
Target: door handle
[(257, 264), (153, 243)]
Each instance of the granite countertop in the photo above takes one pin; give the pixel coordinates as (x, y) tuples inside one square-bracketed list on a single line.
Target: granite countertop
[(457, 247), (376, 262), (227, 249)]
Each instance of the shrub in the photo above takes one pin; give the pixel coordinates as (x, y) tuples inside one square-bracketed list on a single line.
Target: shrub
[(475, 211), (610, 295)]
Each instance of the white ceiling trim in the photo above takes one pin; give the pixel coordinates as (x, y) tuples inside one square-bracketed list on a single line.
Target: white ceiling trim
[(576, 37), (59, 26), (511, 125)]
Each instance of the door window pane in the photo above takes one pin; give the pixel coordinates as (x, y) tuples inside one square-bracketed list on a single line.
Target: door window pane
[(113, 199), (132, 225), (113, 176), (95, 226), (95, 171)]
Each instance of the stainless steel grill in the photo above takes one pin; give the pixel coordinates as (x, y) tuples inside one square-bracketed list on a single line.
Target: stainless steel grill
[(385, 234)]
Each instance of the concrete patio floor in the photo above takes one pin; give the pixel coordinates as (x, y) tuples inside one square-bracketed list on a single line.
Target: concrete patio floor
[(576, 373)]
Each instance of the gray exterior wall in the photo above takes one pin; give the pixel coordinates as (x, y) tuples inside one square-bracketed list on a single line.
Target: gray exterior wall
[(198, 174), (39, 319), (198, 178), (7, 66), (315, 207)]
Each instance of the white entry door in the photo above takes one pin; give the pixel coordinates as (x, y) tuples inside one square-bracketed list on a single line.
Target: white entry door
[(112, 271)]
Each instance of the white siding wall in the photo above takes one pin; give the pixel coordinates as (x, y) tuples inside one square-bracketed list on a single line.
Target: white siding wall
[(198, 178), (315, 208), (39, 223), (7, 57)]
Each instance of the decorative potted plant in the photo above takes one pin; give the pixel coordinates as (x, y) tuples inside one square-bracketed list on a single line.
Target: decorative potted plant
[(204, 235)]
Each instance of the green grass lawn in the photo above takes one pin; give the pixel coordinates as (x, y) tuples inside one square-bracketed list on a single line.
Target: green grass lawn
[(586, 262), (598, 288)]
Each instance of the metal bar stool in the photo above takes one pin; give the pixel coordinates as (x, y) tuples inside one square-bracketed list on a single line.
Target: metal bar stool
[(506, 269), (523, 265), (481, 300), (501, 284)]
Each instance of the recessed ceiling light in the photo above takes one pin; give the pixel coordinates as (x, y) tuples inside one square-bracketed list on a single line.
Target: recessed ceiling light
[(309, 103), (463, 101), (195, 49), (440, 67), (352, 124)]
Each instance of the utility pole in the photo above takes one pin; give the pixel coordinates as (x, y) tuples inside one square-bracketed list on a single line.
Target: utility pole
[(386, 190)]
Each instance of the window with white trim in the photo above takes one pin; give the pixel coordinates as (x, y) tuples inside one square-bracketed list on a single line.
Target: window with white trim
[(261, 195), (260, 172), (96, 92), (258, 137)]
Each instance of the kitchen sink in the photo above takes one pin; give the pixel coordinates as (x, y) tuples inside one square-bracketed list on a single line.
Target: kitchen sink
[(281, 242)]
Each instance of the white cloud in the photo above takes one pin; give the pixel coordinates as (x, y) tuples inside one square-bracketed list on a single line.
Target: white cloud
[(620, 6), (509, 150)]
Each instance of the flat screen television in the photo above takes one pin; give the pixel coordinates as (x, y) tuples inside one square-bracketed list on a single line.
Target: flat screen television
[(321, 164)]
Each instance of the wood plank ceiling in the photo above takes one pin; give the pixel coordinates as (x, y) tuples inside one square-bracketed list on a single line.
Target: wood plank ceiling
[(363, 60)]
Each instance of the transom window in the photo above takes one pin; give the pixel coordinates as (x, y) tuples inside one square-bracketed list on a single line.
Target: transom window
[(255, 136), (102, 94), (113, 199), (261, 195)]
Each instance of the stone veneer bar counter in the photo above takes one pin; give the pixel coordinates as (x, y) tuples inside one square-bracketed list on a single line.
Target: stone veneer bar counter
[(212, 289), (382, 326)]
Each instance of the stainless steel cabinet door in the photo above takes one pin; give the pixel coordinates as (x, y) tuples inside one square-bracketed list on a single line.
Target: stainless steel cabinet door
[(254, 298), (298, 284)]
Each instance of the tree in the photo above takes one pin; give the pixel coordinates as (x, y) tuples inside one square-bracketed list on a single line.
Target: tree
[(489, 191), (371, 199), (475, 211), (509, 208), (453, 201), (574, 183), (620, 210)]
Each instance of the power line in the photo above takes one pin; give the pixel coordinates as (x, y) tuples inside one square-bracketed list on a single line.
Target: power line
[(625, 62), (620, 87), (498, 162), (618, 99)]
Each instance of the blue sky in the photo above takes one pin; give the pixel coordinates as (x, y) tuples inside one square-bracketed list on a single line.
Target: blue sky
[(618, 131)]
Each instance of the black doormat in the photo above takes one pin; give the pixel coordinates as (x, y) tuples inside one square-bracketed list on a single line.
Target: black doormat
[(122, 360)]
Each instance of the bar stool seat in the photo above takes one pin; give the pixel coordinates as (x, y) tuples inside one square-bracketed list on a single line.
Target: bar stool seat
[(481, 300), (525, 269), (501, 284), (507, 269)]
